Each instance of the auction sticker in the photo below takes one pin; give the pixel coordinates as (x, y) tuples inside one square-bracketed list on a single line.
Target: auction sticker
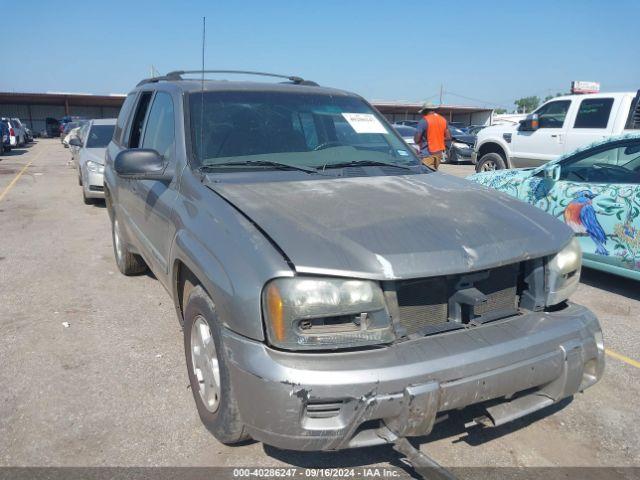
[(364, 123)]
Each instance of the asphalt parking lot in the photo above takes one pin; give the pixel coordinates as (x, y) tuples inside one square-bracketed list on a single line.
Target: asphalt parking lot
[(111, 388)]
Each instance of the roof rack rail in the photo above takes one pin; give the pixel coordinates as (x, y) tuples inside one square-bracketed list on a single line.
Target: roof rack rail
[(177, 75)]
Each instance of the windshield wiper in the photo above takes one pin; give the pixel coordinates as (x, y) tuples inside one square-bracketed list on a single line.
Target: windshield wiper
[(260, 163), (364, 163)]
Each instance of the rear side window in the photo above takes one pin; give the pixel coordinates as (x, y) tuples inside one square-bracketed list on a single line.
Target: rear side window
[(138, 120), (159, 134), (122, 118), (594, 113)]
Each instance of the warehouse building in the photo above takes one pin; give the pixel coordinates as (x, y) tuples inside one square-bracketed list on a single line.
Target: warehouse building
[(466, 115), (35, 108)]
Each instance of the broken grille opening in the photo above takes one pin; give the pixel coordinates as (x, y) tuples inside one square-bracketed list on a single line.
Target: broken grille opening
[(325, 409), (429, 305)]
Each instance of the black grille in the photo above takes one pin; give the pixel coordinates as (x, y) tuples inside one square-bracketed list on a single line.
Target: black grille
[(424, 303)]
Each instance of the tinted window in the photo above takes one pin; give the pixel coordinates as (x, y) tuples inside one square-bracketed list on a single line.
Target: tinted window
[(552, 114), (615, 163), (138, 120), (405, 131), (311, 130), (594, 113), (160, 132), (122, 118), (99, 136)]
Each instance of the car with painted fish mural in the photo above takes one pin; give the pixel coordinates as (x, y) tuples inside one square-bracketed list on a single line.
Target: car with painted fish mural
[(596, 191)]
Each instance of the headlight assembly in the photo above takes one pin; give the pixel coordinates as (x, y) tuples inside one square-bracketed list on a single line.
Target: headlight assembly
[(94, 167), (325, 313), (460, 145), (563, 273)]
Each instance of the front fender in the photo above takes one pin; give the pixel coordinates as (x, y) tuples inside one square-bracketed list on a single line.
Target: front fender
[(496, 141)]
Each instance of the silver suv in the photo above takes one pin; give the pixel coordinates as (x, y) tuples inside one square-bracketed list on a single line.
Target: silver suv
[(335, 292)]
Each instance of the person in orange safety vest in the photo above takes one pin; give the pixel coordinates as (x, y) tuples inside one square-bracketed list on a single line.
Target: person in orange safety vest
[(431, 137)]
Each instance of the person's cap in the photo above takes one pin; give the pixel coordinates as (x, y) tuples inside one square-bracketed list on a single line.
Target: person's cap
[(428, 107)]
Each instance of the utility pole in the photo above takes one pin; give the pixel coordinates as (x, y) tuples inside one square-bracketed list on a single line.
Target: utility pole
[(441, 88)]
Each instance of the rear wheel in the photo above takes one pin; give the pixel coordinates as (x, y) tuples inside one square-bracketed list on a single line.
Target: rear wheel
[(128, 263), (489, 162), (207, 368)]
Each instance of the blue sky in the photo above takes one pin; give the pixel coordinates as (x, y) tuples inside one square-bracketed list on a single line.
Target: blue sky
[(492, 52)]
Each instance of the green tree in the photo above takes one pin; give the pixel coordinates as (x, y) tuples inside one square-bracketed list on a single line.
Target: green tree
[(527, 104), (499, 111)]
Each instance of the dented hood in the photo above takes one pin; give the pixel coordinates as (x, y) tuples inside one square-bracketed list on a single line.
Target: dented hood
[(387, 227)]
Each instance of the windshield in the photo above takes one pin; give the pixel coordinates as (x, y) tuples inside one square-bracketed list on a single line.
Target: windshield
[(299, 129), (100, 136)]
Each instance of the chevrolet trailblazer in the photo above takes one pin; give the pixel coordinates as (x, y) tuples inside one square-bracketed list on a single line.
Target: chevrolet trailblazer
[(333, 291)]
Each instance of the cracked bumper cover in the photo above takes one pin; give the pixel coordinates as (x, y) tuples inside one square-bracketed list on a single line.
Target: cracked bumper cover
[(320, 401)]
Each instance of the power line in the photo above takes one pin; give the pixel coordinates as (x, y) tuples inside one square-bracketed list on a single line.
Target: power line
[(475, 99)]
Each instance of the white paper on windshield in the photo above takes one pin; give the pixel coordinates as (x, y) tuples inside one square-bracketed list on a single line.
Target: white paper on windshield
[(364, 123)]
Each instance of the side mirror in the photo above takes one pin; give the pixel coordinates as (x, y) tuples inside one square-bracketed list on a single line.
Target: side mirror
[(530, 124), (552, 172), (75, 142), (142, 164)]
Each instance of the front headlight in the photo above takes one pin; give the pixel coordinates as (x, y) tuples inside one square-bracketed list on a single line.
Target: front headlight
[(460, 145), (563, 273), (95, 167), (325, 313)]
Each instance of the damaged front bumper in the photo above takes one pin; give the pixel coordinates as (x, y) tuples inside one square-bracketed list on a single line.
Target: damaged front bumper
[(330, 401)]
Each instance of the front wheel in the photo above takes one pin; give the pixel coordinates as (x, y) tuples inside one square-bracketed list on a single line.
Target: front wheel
[(207, 368), (489, 162), (128, 263)]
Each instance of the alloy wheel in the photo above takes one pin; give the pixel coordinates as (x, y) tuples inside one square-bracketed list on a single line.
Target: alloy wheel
[(206, 368)]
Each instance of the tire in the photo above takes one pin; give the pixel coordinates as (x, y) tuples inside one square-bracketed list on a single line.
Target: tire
[(79, 177), (128, 263), (85, 199), (489, 162), (452, 156), (211, 386)]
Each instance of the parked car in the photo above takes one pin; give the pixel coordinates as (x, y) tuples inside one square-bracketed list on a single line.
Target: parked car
[(325, 302), (474, 129), (5, 144), (64, 125), (66, 130), (596, 191), (75, 147), (20, 131), (558, 126), (91, 157), (460, 147), (28, 134), (407, 123), (52, 128), (73, 133), (15, 138), (407, 133)]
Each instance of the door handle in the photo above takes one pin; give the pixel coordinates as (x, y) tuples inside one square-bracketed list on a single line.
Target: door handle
[(553, 135)]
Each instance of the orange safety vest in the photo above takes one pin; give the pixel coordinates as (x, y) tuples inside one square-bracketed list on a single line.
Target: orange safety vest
[(436, 126)]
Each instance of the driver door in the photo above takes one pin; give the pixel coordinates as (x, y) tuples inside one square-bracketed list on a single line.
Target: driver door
[(534, 148), (598, 196)]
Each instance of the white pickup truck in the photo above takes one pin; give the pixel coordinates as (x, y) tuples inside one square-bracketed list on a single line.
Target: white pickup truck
[(558, 126)]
